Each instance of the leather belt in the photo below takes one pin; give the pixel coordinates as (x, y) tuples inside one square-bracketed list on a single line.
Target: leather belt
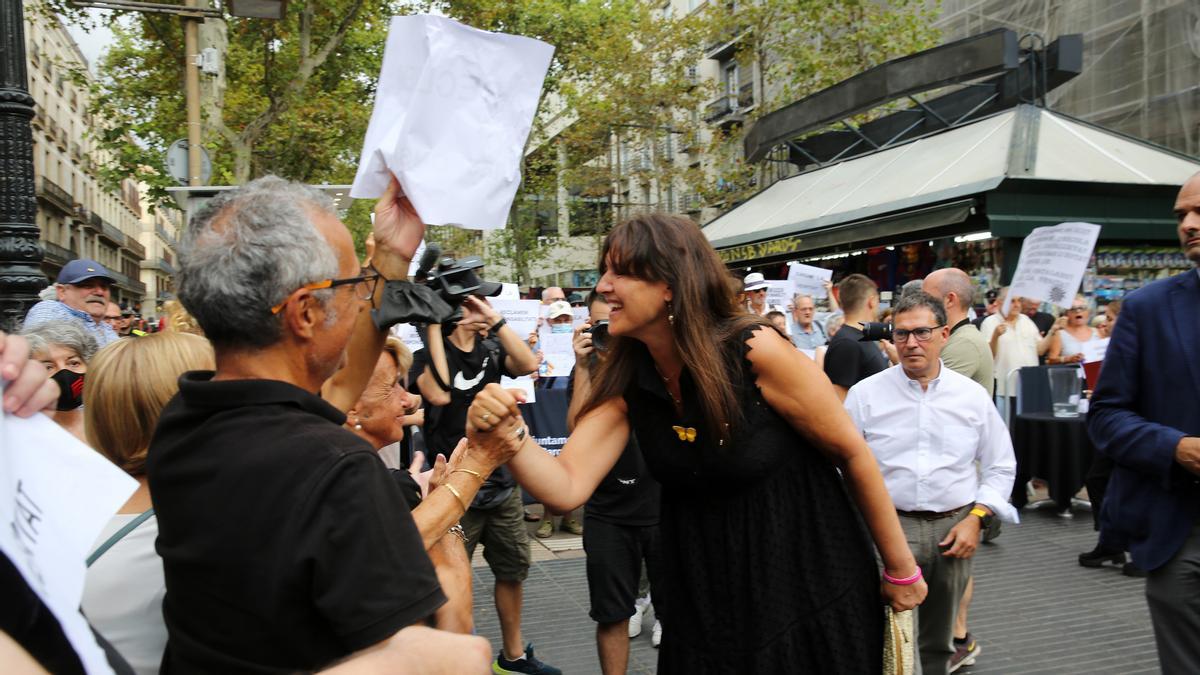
[(931, 515)]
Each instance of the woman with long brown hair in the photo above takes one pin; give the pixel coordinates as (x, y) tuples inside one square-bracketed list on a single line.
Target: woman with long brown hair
[(766, 562)]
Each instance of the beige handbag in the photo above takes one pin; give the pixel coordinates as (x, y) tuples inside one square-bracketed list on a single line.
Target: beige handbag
[(899, 647)]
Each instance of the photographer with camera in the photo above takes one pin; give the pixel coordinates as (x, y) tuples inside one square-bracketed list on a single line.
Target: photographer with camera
[(449, 371), (621, 528), (850, 359)]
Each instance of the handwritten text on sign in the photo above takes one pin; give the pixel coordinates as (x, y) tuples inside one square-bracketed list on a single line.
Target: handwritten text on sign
[(1052, 263)]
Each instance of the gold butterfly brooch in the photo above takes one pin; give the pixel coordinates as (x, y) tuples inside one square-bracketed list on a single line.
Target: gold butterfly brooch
[(685, 434)]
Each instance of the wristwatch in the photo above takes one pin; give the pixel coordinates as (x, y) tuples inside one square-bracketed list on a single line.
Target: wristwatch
[(984, 517)]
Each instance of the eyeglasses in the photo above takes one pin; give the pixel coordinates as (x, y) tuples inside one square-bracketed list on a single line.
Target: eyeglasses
[(364, 286), (900, 336), (1078, 309)]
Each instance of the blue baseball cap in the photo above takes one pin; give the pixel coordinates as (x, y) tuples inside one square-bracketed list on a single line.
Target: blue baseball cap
[(78, 270)]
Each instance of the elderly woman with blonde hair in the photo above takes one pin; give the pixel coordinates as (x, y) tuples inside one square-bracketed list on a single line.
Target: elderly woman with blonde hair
[(129, 384), (379, 416)]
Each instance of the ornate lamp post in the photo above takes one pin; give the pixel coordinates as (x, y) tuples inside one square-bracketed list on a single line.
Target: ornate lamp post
[(20, 253)]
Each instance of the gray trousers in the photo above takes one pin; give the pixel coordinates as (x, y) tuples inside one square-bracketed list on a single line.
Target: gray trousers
[(946, 578), (1173, 593)]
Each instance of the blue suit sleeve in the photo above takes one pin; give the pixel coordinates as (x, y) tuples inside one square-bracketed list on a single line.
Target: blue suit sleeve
[(1115, 422)]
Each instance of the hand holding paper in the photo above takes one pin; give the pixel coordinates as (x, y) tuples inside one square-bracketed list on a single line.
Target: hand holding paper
[(397, 231), (452, 113)]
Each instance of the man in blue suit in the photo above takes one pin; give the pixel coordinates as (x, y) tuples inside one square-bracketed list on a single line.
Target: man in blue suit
[(1145, 415)]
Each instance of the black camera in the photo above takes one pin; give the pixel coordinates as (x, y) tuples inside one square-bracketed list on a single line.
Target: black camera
[(453, 280), (875, 330), (599, 333)]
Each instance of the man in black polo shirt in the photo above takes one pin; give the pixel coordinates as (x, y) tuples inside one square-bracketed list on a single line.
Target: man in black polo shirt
[(286, 546), (620, 519), (849, 360)]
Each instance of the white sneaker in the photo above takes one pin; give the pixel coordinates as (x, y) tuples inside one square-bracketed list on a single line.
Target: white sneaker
[(656, 634), (635, 621)]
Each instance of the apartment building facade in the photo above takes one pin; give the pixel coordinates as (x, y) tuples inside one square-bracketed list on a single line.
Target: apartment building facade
[(77, 216)]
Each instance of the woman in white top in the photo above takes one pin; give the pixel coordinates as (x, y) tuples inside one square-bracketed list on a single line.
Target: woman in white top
[(1067, 345), (129, 383), (1015, 342)]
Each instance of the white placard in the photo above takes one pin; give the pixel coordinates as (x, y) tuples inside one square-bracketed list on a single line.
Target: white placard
[(509, 292), (808, 279), (1094, 350), (580, 314), (558, 353), (453, 110), (524, 383), (521, 315), (56, 495), (779, 294), (1052, 263)]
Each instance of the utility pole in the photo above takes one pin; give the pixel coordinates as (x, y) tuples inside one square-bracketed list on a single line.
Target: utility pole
[(191, 48), (20, 253)]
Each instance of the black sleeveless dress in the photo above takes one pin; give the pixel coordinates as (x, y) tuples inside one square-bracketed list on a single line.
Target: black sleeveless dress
[(766, 562)]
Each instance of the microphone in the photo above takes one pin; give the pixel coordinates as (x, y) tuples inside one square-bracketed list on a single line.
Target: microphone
[(429, 259)]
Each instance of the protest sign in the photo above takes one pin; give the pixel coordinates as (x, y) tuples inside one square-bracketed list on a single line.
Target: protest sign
[(558, 353), (56, 495), (453, 109), (509, 292), (1093, 350), (409, 336), (808, 279), (1052, 263), (779, 294), (524, 383), (521, 315)]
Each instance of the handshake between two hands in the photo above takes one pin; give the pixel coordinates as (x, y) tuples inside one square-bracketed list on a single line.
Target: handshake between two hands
[(495, 429)]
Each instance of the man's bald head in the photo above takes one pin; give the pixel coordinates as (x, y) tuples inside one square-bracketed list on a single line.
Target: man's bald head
[(552, 294), (941, 283)]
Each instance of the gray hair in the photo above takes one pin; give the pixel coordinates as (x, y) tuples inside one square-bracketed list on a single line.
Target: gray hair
[(800, 296), (245, 252), (917, 300), (68, 334), (911, 287)]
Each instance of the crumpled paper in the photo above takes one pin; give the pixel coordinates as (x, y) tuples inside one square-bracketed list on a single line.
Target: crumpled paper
[(452, 114)]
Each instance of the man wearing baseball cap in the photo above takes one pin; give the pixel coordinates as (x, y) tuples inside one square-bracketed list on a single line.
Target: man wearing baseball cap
[(82, 289)]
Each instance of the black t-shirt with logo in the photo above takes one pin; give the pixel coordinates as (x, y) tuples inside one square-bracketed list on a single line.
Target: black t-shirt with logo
[(628, 495), (445, 425), (849, 361), (285, 543)]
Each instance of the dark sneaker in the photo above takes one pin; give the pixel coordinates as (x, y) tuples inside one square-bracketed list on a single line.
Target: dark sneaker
[(529, 664), (1130, 571), (965, 653), (1098, 556)]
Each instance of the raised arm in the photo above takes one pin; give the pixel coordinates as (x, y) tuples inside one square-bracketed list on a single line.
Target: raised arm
[(519, 359), (565, 482), (397, 233), (435, 368), (796, 389)]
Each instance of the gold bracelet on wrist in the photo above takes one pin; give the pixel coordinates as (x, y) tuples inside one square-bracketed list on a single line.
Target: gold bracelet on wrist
[(457, 495), (476, 474)]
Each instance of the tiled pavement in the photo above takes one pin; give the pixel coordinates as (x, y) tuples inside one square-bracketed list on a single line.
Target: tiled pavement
[(1035, 610)]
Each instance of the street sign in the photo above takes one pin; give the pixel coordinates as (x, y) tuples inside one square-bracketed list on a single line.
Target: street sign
[(177, 163)]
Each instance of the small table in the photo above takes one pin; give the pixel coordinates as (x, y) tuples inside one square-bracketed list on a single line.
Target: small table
[(1056, 449)]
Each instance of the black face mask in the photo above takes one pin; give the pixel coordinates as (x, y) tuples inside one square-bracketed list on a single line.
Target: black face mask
[(70, 386)]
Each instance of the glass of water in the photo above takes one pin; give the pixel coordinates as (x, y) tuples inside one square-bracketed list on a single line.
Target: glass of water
[(1065, 389)]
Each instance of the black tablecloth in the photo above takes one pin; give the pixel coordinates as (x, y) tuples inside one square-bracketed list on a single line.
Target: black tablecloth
[(1056, 449)]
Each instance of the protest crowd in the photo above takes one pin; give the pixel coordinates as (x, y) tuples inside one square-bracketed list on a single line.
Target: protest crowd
[(317, 445)]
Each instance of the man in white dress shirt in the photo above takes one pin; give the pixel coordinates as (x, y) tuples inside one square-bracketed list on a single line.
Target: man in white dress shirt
[(928, 426)]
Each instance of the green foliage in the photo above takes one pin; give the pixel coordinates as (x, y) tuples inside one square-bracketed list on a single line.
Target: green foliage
[(799, 47), (296, 98)]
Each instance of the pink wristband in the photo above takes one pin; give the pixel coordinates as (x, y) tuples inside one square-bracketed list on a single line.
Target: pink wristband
[(906, 581)]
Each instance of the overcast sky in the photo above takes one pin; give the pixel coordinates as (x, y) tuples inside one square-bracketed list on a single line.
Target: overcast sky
[(93, 43)]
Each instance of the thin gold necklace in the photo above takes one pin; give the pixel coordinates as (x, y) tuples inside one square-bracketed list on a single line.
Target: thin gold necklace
[(667, 385)]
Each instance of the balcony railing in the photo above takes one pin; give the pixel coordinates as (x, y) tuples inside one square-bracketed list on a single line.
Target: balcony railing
[(166, 236), (723, 106), (746, 96), (94, 222), (112, 233), (161, 264), (129, 283), (56, 195), (135, 246), (58, 254)]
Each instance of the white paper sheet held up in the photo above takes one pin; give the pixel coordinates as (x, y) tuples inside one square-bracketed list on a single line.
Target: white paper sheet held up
[(452, 113), (56, 495), (808, 280), (1094, 350), (1052, 263)]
